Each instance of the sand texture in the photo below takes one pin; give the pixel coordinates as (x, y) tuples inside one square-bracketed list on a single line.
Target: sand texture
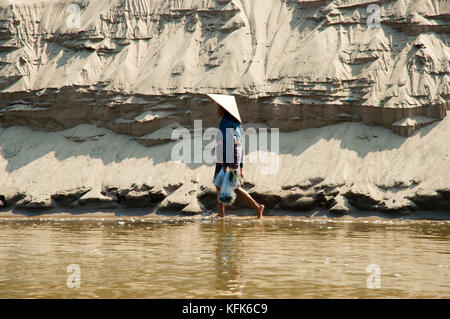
[(339, 167), (88, 102)]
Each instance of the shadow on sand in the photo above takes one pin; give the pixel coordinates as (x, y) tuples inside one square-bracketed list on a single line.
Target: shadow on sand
[(21, 146)]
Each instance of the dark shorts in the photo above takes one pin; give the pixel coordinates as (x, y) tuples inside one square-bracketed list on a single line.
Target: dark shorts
[(218, 168)]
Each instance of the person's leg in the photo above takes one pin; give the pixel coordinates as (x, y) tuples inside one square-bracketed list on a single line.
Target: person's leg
[(216, 181), (259, 208), (221, 212)]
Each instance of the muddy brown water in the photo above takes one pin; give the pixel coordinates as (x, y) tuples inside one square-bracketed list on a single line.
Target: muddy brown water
[(239, 257)]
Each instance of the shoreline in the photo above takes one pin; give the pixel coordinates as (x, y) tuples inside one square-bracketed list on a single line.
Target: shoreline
[(142, 213)]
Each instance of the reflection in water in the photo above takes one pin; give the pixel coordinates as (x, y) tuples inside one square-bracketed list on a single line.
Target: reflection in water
[(204, 257), (228, 261)]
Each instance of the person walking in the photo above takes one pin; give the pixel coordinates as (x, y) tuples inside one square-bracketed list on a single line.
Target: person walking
[(230, 141)]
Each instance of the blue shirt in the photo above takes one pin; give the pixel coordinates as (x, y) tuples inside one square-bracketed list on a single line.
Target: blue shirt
[(229, 122)]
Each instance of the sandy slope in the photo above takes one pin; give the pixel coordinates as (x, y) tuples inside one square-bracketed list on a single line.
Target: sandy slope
[(370, 167), (312, 59)]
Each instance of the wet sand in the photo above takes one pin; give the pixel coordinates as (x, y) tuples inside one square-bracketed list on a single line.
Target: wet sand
[(268, 213)]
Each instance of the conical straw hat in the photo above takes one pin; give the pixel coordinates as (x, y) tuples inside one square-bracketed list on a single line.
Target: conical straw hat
[(228, 102)]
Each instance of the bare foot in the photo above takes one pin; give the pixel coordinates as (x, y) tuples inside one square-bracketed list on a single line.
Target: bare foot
[(219, 215), (260, 211)]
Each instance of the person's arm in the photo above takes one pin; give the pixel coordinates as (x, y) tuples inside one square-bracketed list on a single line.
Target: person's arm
[(241, 165), (235, 155), (239, 159), (224, 146), (238, 153), (225, 164)]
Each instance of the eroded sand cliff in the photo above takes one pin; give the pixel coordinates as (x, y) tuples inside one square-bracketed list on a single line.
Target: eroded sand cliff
[(87, 110)]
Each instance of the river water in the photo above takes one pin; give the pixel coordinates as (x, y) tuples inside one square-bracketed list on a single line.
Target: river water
[(239, 257)]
